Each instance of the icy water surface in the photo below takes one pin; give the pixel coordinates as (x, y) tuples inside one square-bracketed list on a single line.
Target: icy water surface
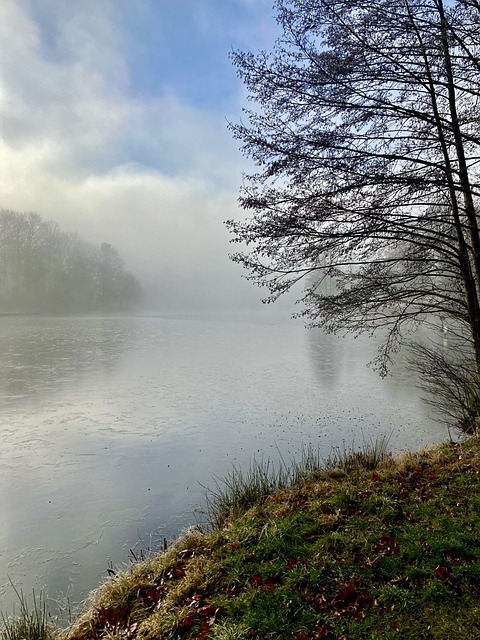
[(109, 427)]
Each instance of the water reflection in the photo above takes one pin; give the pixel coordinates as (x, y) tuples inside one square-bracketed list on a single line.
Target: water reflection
[(326, 353)]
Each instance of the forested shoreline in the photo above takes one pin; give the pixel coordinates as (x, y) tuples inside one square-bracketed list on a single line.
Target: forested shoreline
[(44, 269)]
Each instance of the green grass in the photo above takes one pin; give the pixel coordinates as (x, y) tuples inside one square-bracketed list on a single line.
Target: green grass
[(366, 547), (31, 622), (241, 489)]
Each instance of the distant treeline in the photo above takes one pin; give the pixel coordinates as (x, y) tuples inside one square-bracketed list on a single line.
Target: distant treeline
[(45, 269)]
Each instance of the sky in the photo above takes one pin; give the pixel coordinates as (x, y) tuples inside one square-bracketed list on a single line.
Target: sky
[(113, 123)]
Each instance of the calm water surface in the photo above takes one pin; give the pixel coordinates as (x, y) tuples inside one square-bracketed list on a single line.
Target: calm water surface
[(109, 426)]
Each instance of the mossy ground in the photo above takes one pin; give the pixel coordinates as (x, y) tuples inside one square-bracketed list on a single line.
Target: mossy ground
[(353, 553)]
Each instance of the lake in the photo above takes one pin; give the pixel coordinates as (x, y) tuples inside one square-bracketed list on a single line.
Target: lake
[(111, 425)]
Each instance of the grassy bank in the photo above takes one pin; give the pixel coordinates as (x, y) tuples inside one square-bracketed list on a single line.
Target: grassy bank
[(369, 548)]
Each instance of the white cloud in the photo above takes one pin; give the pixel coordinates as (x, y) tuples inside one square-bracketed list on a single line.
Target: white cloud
[(154, 177), (73, 107)]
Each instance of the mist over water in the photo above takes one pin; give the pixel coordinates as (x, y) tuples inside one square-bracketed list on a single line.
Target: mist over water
[(110, 425)]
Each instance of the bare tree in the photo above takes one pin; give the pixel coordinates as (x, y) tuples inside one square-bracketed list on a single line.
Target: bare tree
[(365, 133)]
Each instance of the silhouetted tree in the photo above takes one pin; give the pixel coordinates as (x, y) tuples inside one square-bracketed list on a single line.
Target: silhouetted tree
[(365, 133)]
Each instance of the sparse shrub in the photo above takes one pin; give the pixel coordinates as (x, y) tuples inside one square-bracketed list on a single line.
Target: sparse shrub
[(240, 490), (32, 623), (451, 383), (371, 454)]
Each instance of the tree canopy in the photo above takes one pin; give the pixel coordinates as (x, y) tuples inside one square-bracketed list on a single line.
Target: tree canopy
[(365, 133), (45, 269)]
